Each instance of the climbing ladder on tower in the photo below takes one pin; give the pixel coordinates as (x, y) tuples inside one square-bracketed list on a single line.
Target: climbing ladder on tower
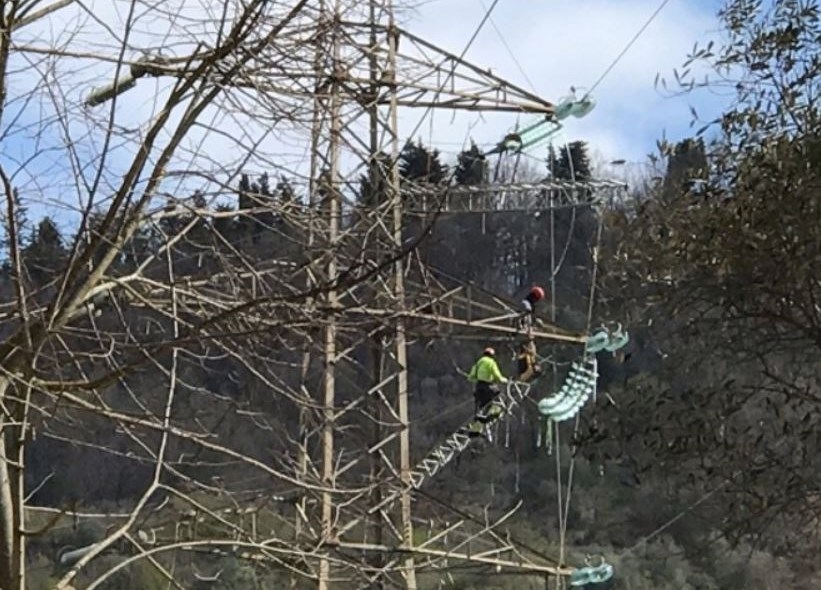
[(514, 394), (447, 450)]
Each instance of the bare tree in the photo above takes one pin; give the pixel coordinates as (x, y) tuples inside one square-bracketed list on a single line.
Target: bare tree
[(106, 350)]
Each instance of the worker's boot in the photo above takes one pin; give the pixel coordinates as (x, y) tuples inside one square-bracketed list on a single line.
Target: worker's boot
[(474, 430), (495, 411)]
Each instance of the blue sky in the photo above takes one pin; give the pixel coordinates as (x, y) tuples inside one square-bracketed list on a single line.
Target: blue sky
[(549, 46), (559, 44)]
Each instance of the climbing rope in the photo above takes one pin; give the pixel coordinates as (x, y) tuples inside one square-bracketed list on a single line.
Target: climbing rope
[(591, 383)]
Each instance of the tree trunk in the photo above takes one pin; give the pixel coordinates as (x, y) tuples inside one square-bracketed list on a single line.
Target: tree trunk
[(11, 550)]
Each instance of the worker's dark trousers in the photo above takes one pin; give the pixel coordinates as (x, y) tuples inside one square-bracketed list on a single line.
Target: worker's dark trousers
[(484, 394)]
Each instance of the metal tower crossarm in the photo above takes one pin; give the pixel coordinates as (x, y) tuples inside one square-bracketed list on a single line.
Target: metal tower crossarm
[(512, 197), (425, 66), (520, 566), (415, 73), (469, 327)]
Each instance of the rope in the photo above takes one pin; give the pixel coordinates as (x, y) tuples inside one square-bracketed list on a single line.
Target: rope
[(564, 507), (570, 230), (481, 24), (553, 272), (557, 267), (561, 512), (594, 276), (577, 423)]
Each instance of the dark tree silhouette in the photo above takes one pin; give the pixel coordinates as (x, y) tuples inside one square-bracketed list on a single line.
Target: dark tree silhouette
[(571, 162), (45, 253), (420, 164), (686, 166), (373, 185), (471, 166)]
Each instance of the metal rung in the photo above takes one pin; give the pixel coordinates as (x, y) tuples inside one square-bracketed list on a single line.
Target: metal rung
[(441, 455), (454, 444), (462, 439), (431, 465)]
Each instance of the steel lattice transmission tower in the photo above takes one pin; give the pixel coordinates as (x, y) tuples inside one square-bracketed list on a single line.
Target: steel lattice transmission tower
[(340, 72), (367, 68)]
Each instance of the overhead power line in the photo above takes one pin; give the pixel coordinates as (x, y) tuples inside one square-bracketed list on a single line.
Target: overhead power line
[(443, 85), (627, 47), (509, 50)]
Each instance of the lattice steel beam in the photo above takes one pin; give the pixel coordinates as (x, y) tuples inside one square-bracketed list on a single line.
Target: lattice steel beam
[(510, 197), (440, 455)]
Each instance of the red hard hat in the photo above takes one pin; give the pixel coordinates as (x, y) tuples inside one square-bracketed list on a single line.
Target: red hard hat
[(489, 350), (538, 292)]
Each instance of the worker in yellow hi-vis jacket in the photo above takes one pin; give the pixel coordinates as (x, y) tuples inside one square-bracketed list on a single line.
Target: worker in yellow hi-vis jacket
[(486, 374)]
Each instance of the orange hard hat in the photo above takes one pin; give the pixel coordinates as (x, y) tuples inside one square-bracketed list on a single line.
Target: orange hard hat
[(538, 292), (489, 350)]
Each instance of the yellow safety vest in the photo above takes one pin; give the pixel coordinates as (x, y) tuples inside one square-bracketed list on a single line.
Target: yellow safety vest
[(486, 370)]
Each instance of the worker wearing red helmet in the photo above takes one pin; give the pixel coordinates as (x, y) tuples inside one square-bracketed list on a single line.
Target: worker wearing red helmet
[(486, 374), (535, 295)]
